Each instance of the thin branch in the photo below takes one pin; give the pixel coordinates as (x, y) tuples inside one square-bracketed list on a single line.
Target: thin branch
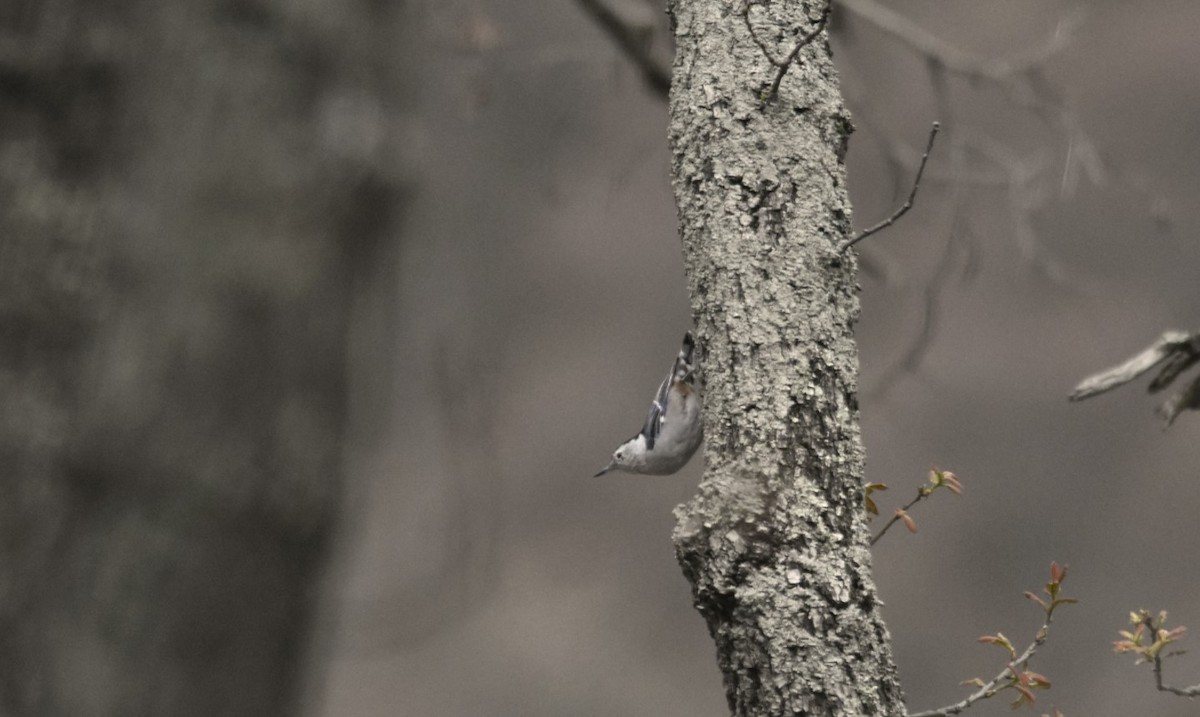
[(1021, 78), (922, 494), (766, 51), (783, 65), (990, 689), (908, 203), (635, 42), (956, 245), (1190, 692), (954, 59), (1147, 641), (787, 61), (937, 479)]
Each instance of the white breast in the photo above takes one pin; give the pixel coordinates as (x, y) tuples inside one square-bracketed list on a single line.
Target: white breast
[(682, 433)]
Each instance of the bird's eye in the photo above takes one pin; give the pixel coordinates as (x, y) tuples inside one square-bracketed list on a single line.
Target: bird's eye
[(620, 455)]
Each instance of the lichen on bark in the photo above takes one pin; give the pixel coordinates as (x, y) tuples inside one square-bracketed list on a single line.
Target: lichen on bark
[(774, 542)]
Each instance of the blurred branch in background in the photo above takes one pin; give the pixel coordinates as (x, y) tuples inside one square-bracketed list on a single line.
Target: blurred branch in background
[(980, 161), (638, 36), (190, 204), (954, 59), (447, 565), (1179, 349)]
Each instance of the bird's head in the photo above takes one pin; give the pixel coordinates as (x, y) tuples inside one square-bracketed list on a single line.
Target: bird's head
[(627, 457)]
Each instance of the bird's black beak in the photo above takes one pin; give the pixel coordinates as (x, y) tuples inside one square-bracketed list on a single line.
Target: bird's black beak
[(606, 469)]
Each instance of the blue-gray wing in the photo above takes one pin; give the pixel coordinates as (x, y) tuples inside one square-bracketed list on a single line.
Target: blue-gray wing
[(681, 370), (658, 411)]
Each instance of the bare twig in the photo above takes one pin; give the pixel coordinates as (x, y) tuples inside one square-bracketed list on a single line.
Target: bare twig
[(922, 494), (937, 479), (635, 42), (990, 689), (1020, 77), (908, 203), (791, 57), (1190, 692), (1179, 349), (783, 65), (954, 59), (955, 255), (1147, 641)]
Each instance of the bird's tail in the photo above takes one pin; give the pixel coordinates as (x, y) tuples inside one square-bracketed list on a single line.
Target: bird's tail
[(684, 362)]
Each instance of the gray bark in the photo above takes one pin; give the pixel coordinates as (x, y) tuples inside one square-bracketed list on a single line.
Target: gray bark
[(774, 543), (182, 223)]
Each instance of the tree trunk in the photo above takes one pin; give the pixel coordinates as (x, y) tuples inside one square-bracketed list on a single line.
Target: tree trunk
[(774, 543), (185, 206)]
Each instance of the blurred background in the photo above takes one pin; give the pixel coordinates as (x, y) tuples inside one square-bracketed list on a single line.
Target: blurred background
[(393, 280)]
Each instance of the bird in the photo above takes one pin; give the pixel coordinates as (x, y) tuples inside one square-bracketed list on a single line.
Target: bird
[(674, 427)]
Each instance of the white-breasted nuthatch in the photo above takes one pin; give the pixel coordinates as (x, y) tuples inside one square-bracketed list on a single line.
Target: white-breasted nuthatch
[(673, 429)]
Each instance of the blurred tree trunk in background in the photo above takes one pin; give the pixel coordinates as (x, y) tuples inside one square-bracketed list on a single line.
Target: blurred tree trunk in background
[(189, 195), (775, 544)]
